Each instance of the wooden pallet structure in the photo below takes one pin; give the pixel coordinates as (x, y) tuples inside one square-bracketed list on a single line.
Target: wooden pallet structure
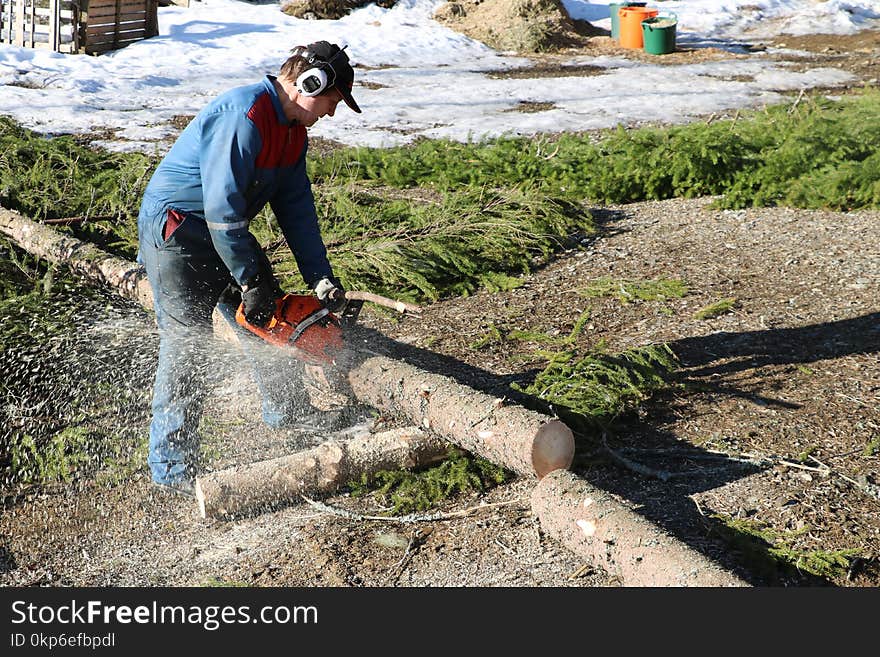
[(77, 26)]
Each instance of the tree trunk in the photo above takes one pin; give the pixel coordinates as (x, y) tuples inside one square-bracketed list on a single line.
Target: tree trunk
[(127, 278), (594, 525), (521, 440), (252, 487)]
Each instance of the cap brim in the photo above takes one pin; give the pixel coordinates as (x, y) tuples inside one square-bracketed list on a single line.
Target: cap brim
[(349, 100)]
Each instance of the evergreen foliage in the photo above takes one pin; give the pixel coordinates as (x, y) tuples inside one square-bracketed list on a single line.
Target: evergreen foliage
[(770, 553), (597, 387), (410, 492), (62, 396), (717, 308), (58, 178), (818, 154), (417, 250)]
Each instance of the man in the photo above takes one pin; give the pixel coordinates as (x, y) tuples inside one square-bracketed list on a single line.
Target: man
[(245, 149)]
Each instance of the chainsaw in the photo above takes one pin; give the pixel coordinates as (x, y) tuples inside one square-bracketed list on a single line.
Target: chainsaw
[(312, 333)]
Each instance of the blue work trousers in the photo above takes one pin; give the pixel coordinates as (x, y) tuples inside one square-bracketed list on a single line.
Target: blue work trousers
[(188, 279)]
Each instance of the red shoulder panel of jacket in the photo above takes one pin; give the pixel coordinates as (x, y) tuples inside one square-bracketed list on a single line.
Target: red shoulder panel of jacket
[(282, 144)]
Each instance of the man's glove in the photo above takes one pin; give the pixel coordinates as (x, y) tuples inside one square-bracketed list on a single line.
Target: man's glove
[(259, 296), (331, 294)]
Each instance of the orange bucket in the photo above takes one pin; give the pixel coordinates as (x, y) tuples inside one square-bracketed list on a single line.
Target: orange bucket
[(631, 25)]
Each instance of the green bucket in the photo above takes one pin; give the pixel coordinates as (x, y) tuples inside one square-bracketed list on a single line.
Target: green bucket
[(658, 33), (615, 19)]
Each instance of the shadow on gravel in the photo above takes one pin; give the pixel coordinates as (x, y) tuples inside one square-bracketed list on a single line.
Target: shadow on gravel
[(675, 470), (7, 561), (805, 344)]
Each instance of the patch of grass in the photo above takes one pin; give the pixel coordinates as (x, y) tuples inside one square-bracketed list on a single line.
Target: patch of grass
[(627, 291), (53, 460), (494, 335), (769, 553), (716, 309), (217, 582), (411, 492), (129, 456), (872, 448), (804, 454), (491, 336), (68, 395), (499, 281)]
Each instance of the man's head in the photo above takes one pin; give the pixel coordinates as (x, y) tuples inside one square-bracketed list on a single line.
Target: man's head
[(321, 68)]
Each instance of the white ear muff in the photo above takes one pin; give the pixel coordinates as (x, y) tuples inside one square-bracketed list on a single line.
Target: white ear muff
[(311, 82)]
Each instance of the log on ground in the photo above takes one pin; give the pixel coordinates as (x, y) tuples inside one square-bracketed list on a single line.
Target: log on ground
[(245, 489), (594, 525), (524, 441), (128, 278)]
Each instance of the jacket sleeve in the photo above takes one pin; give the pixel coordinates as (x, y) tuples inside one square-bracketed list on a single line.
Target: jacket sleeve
[(294, 207), (229, 146)]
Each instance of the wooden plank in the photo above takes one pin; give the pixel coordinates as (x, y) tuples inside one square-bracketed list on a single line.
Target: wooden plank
[(111, 7), (29, 37), (152, 18), (106, 47), (47, 11), (94, 32), (133, 35), (18, 25), (105, 15), (101, 4), (112, 20), (55, 31)]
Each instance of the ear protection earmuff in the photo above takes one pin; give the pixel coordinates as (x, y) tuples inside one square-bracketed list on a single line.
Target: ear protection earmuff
[(312, 82), (315, 80)]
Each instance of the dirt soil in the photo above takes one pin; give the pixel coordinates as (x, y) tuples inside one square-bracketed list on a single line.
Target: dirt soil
[(788, 382)]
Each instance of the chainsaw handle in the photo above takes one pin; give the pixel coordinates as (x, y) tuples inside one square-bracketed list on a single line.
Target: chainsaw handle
[(399, 306)]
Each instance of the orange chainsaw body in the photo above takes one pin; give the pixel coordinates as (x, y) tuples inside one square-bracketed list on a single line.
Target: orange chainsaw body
[(303, 325)]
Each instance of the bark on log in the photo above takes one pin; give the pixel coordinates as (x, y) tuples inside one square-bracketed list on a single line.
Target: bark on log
[(248, 488), (128, 278), (521, 440), (594, 525)]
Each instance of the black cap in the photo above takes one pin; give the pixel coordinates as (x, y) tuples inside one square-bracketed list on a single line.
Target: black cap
[(336, 59)]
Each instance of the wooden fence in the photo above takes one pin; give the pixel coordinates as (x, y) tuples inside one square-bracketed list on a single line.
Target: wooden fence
[(77, 26)]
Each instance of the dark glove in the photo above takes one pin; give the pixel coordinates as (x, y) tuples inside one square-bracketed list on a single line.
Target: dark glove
[(331, 294), (259, 296)]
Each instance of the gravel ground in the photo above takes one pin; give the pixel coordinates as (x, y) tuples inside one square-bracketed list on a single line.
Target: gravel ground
[(791, 371)]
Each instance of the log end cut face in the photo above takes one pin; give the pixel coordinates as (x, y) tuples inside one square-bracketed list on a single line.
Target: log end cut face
[(553, 448)]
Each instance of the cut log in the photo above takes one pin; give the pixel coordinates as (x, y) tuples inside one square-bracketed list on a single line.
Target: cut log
[(127, 278), (514, 437), (323, 469), (594, 525)]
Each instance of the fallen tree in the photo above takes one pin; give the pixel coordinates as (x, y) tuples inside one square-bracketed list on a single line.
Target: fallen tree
[(519, 439), (593, 524), (128, 278), (323, 469)]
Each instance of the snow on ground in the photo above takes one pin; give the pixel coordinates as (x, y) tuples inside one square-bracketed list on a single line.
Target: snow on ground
[(415, 77)]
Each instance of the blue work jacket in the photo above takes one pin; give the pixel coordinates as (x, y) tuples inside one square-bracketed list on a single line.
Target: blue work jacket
[(239, 153)]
